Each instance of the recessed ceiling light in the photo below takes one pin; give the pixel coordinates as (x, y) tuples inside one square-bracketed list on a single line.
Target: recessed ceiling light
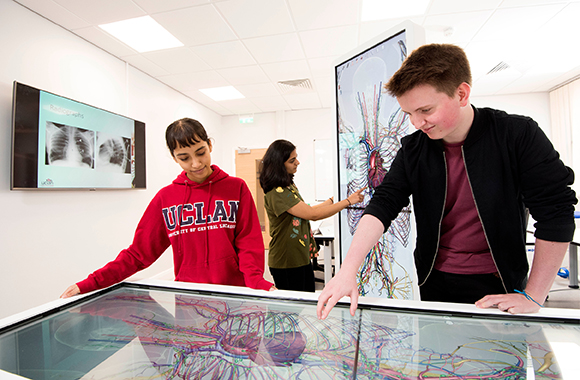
[(380, 9), (142, 34), (222, 93)]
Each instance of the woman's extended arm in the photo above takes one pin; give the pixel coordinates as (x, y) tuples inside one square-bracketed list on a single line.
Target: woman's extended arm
[(327, 202), (325, 209)]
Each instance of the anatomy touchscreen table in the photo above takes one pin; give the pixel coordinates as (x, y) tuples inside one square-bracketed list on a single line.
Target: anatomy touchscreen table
[(133, 332)]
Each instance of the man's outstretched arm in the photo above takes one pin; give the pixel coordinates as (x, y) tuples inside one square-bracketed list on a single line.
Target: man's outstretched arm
[(367, 234)]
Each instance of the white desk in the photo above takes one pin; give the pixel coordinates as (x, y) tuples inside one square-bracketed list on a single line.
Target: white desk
[(572, 257), (326, 241)]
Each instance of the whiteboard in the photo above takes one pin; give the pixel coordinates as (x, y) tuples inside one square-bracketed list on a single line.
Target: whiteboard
[(323, 169)]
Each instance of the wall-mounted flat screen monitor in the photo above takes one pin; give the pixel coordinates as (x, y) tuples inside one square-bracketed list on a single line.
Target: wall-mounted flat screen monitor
[(59, 143)]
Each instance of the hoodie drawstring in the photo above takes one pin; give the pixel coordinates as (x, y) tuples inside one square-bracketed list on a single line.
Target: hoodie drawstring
[(180, 214), (206, 225)]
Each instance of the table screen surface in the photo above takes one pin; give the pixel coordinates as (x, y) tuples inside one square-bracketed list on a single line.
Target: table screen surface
[(132, 333)]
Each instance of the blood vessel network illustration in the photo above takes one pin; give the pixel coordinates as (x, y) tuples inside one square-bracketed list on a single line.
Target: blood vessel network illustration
[(370, 127), (138, 334)]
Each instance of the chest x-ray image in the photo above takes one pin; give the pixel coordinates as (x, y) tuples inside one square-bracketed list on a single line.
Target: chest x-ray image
[(113, 153), (69, 146)]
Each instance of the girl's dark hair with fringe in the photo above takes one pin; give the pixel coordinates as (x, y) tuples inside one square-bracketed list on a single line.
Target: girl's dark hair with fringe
[(273, 173), (185, 132)]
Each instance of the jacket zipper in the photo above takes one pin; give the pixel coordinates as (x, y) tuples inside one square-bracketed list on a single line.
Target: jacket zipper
[(440, 221), (481, 221)]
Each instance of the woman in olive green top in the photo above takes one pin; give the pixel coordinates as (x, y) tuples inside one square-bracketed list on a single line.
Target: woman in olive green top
[(292, 245)]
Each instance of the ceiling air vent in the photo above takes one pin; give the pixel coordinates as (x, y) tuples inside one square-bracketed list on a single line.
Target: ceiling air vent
[(296, 85), (499, 67)]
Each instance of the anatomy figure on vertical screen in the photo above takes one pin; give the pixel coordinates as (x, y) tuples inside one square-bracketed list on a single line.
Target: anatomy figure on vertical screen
[(369, 142)]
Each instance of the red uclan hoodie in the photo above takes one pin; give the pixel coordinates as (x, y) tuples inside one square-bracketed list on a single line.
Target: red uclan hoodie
[(212, 227)]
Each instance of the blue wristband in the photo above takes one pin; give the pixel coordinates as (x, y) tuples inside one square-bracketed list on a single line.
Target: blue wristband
[(527, 296)]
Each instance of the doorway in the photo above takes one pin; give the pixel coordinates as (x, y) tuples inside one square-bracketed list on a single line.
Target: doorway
[(248, 169)]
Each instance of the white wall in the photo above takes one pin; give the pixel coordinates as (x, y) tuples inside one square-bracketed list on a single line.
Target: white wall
[(50, 240), (535, 105), (299, 127)]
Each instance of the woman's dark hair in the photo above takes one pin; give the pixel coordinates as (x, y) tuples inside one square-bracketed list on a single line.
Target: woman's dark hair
[(185, 132), (273, 173)]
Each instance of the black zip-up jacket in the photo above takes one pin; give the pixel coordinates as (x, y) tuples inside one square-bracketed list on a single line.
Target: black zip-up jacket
[(511, 165)]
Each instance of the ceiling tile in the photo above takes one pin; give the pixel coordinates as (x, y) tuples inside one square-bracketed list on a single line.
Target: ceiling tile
[(258, 90), (322, 66), (156, 6), (485, 55), (525, 84), (557, 32), (277, 48), (219, 110), (248, 19), (177, 61), (460, 6), (224, 54), (325, 88), (527, 3), (145, 65), (303, 101), (56, 13), (558, 81), (252, 44), (244, 75), (194, 81), (287, 70), (271, 103), (102, 11), (240, 106), (371, 29), (196, 25), (309, 14), (492, 83), (202, 99), (516, 23), (463, 28), (105, 41), (324, 84), (329, 42), (546, 55), (327, 102), (554, 62)]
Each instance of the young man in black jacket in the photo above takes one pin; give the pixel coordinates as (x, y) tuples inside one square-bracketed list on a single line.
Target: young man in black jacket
[(472, 172)]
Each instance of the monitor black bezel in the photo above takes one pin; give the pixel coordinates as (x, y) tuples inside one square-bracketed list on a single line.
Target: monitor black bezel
[(24, 143)]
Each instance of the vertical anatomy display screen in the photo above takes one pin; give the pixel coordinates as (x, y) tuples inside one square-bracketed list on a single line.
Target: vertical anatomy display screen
[(370, 127), (133, 333)]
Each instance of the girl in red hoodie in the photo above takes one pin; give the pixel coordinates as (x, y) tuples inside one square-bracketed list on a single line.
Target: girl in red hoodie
[(207, 217)]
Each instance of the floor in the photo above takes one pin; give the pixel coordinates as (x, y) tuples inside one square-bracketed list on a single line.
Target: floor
[(562, 296), (319, 279)]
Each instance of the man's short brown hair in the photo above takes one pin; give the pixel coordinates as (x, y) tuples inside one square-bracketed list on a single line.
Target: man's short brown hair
[(442, 66)]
